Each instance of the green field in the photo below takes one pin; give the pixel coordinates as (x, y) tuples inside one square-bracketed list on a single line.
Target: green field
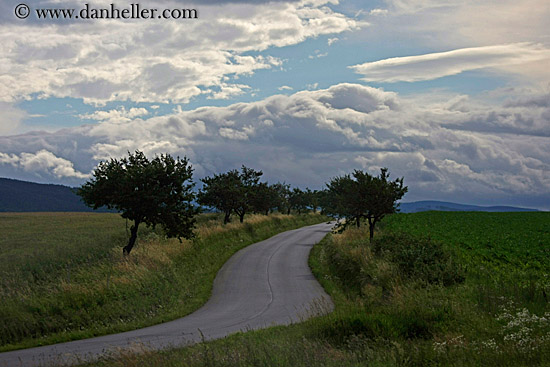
[(519, 240), (434, 289), (63, 275)]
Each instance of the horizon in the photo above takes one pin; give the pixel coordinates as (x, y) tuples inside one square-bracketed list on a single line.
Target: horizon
[(453, 96), (399, 202)]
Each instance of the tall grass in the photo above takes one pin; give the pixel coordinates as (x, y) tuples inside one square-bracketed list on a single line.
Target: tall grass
[(415, 299), (64, 276)]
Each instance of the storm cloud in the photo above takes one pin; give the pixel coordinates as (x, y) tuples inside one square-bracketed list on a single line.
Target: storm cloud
[(444, 150)]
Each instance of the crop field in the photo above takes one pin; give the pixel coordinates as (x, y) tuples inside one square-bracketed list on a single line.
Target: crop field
[(63, 275), (519, 240), (433, 289)]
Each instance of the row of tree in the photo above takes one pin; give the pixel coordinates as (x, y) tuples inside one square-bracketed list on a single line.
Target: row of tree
[(241, 192), (161, 192)]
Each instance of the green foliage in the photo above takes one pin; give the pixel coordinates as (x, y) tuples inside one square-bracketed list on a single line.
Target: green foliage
[(283, 194), (363, 196), (515, 240), (298, 200), (387, 314), (263, 198), (419, 258), (70, 283), (154, 192), (312, 199), (232, 191)]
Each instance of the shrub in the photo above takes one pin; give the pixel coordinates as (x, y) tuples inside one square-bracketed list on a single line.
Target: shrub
[(419, 258)]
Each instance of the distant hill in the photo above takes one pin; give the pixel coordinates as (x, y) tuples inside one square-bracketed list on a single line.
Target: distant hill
[(23, 196), (422, 206)]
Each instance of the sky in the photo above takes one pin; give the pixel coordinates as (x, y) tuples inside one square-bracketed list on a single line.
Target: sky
[(454, 96)]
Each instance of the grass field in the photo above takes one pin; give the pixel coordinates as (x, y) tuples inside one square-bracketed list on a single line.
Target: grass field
[(63, 275), (434, 289)]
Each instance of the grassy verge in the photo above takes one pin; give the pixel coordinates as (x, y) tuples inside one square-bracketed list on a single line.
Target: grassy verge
[(412, 298), (63, 276)]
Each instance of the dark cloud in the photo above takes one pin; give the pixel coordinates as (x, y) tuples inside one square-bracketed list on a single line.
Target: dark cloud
[(308, 137)]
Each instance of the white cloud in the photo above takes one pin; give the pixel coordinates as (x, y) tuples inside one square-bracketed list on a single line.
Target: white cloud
[(152, 61), (232, 134), (378, 12), (118, 116), (285, 87), (43, 162), (437, 65), (9, 159), (446, 148), (440, 25), (10, 118)]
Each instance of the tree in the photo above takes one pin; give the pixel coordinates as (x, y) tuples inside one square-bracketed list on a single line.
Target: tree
[(230, 192), (249, 182), (283, 194), (264, 198), (364, 196), (312, 199), (154, 192), (298, 200), (221, 192)]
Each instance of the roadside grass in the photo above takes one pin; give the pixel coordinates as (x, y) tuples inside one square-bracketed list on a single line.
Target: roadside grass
[(63, 275), (412, 298)]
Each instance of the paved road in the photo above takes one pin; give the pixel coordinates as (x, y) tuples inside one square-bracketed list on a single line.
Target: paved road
[(268, 283)]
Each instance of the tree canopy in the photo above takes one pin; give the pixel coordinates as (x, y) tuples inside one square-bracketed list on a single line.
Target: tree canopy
[(231, 192), (154, 192), (363, 196)]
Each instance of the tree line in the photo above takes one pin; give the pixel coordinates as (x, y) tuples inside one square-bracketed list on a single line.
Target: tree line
[(161, 192), (241, 192)]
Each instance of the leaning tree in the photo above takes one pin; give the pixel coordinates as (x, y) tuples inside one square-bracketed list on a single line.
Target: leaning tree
[(153, 192), (363, 196)]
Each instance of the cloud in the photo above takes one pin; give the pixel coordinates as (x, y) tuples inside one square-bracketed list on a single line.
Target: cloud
[(441, 25), (285, 87), (378, 12), (43, 162), (451, 148), (10, 118), (153, 61), (440, 64), (118, 116)]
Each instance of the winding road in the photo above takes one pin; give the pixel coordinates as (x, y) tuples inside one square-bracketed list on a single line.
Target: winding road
[(265, 284)]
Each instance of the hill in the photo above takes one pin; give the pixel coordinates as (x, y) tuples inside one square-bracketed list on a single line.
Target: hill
[(444, 206), (23, 196)]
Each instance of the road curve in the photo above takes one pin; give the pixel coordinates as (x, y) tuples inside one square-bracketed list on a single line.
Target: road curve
[(267, 283)]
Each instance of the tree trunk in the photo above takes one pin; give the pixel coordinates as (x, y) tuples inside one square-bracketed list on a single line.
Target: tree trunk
[(241, 217), (288, 211), (372, 223), (267, 212), (358, 221), (133, 236), (371, 232), (227, 218)]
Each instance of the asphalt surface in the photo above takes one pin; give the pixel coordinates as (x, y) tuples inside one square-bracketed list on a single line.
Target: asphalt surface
[(265, 284)]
